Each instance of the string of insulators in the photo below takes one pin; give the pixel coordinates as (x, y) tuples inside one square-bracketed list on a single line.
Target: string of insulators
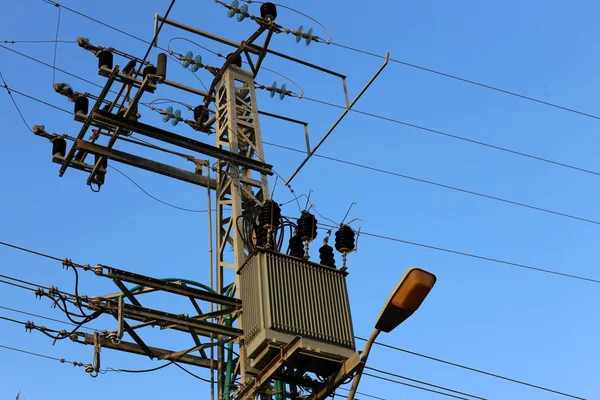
[(345, 242), (59, 146), (296, 247), (102, 171), (237, 61), (173, 116), (299, 33), (269, 220), (268, 11), (235, 9), (282, 90), (105, 59), (307, 230), (200, 114), (191, 62), (326, 256), (82, 104)]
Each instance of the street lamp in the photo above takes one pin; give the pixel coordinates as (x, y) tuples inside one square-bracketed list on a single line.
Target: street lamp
[(409, 293)]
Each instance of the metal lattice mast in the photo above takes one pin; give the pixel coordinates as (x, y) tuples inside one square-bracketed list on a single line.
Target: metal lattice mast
[(239, 189)]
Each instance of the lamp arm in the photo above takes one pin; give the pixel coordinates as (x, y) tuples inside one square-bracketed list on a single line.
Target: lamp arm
[(363, 360)]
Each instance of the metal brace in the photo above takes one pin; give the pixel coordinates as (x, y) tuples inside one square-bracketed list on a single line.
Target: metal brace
[(115, 337), (95, 370), (199, 164)]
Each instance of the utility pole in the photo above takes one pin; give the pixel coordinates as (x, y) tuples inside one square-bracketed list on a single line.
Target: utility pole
[(288, 318)]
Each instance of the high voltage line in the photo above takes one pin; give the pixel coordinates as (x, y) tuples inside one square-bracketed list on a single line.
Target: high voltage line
[(435, 359), (338, 160), (354, 49), (396, 121)]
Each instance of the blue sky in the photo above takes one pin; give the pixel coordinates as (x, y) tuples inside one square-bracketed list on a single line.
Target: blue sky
[(523, 324)]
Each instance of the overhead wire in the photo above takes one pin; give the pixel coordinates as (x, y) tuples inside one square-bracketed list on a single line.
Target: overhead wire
[(414, 386), (396, 121), (56, 47), (61, 360), (469, 81), (462, 138), (476, 370), (429, 182), (423, 383), (46, 318)]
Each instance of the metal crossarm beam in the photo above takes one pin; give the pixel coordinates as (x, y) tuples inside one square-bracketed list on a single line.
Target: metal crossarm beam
[(253, 387), (345, 371), (173, 321), (147, 164), (170, 287), (162, 354), (111, 121)]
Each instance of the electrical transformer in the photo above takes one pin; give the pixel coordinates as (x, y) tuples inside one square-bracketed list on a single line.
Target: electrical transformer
[(285, 297)]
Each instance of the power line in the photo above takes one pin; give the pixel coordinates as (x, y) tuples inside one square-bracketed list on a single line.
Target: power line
[(479, 371), (423, 383), (396, 121), (31, 251), (450, 135), (37, 41), (156, 198), (46, 318), (61, 360), (8, 90), (383, 171), (363, 394), (495, 260), (413, 386), (472, 82)]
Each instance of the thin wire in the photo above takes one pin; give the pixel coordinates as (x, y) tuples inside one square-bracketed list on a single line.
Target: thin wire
[(383, 171), (35, 99), (363, 394), (61, 360), (156, 198), (37, 41), (31, 251), (46, 318), (479, 371), (483, 85), (424, 383), (190, 373), (414, 386), (14, 102), (494, 260), (55, 47), (438, 132)]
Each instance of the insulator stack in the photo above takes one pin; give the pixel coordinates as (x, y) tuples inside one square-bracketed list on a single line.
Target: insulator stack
[(129, 67), (344, 239), (101, 174), (200, 114), (82, 104), (344, 242), (149, 70), (296, 248), (161, 66), (105, 59), (268, 11), (237, 61), (269, 219), (59, 147), (307, 226), (326, 255)]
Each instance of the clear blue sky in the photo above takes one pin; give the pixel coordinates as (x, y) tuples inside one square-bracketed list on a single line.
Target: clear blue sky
[(519, 323)]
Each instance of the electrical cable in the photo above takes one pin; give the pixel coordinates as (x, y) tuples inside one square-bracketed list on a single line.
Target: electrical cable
[(424, 383), (494, 260), (61, 360), (479, 371), (37, 253), (156, 198), (472, 141), (395, 120), (472, 82), (433, 183), (46, 318), (37, 41), (363, 394), (8, 90), (35, 285), (55, 47), (413, 386)]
